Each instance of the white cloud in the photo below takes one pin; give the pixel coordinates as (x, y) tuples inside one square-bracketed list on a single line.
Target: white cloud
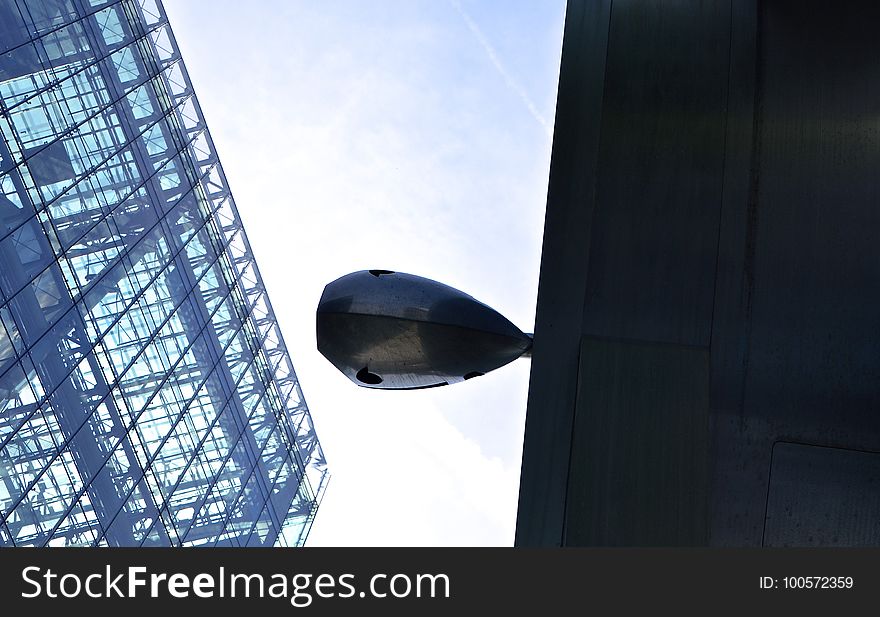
[(422, 482), (511, 82)]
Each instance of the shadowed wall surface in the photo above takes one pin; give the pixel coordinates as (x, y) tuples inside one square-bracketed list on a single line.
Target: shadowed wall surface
[(706, 336)]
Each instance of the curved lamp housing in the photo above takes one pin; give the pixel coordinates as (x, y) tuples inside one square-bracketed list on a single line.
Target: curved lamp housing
[(396, 331)]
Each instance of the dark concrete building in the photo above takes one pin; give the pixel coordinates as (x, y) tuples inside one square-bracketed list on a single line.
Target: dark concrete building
[(706, 361)]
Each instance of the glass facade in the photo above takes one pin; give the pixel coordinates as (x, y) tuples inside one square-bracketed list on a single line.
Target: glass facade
[(146, 395)]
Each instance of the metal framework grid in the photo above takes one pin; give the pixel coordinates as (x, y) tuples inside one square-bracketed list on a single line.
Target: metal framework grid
[(146, 395)]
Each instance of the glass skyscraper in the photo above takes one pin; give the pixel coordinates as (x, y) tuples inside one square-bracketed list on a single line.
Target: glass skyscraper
[(146, 395)]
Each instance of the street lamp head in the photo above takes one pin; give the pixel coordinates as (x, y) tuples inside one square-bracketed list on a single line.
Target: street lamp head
[(395, 331)]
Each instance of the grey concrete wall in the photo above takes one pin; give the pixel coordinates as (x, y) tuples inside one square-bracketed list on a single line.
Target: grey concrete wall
[(710, 280)]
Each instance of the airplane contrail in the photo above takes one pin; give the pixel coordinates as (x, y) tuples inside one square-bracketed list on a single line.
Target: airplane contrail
[(512, 83)]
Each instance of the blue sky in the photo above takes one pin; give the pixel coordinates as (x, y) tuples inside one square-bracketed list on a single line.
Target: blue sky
[(408, 135)]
